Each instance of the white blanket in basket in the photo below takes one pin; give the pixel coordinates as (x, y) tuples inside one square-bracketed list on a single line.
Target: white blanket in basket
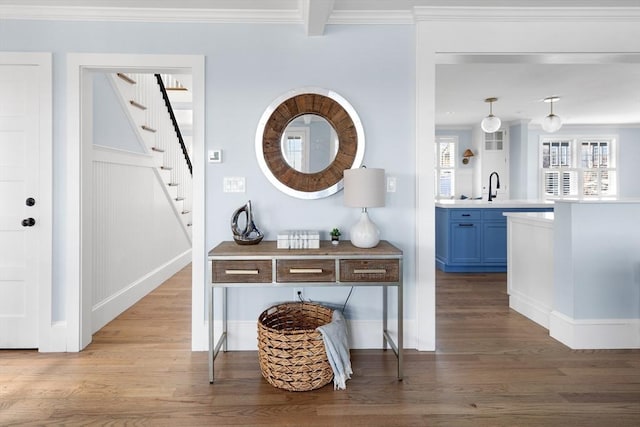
[(336, 343)]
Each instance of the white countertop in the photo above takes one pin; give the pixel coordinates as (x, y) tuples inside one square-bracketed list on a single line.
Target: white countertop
[(495, 204), (531, 216)]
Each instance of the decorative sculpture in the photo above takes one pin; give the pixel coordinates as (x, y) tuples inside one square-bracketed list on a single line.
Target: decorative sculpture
[(250, 235)]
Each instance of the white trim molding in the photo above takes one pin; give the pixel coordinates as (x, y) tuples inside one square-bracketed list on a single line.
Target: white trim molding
[(150, 14), (77, 263), (594, 333), (242, 335), (527, 11)]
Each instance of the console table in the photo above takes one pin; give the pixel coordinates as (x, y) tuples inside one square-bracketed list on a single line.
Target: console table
[(342, 265)]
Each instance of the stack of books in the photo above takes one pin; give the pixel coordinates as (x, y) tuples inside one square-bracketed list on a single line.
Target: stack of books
[(299, 239)]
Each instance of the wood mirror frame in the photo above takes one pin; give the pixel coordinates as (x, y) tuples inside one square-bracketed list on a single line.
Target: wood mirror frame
[(328, 105)]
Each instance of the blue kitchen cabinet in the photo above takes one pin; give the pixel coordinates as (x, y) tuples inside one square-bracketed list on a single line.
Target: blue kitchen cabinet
[(473, 240)]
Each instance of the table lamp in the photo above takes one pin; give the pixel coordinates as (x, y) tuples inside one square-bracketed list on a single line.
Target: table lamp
[(364, 188)]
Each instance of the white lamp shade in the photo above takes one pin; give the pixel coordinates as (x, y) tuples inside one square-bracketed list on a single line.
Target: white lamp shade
[(490, 123), (364, 188), (551, 123)]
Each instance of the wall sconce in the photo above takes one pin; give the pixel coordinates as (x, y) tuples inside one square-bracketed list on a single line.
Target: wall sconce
[(490, 123), (551, 123), (465, 157)]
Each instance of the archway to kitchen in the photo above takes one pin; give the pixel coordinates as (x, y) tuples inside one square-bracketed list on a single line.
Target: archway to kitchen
[(512, 36)]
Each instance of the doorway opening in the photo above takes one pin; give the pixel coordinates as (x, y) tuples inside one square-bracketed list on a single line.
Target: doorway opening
[(80, 179)]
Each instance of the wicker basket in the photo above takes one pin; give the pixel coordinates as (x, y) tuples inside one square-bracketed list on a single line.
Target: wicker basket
[(291, 351)]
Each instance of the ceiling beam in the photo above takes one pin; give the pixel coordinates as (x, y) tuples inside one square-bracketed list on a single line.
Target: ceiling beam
[(315, 14)]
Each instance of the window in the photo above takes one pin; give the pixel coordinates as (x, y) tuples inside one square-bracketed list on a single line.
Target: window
[(494, 141), (445, 166), (578, 167)]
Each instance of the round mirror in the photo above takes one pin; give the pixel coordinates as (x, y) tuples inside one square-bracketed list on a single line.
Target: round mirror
[(309, 143), (316, 173)]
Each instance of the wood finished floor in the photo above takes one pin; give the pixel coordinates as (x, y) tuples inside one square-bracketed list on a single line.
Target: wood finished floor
[(492, 367)]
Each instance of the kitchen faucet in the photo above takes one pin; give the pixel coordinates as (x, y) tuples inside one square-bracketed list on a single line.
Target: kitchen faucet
[(491, 195)]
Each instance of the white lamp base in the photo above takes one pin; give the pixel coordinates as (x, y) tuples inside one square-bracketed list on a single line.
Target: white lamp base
[(365, 234)]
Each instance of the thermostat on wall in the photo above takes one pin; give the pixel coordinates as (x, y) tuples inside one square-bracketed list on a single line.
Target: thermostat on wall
[(215, 156)]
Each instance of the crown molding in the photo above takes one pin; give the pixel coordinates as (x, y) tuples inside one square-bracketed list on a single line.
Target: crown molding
[(527, 13), (147, 14), (518, 11), (85, 13), (402, 17)]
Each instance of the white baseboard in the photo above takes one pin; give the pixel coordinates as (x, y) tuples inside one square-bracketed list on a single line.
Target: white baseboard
[(530, 308), (110, 308), (243, 335), (595, 333), (54, 338)]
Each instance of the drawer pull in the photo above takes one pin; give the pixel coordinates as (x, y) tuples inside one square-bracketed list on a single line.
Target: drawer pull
[(466, 214), (305, 270), (370, 271), (237, 272)]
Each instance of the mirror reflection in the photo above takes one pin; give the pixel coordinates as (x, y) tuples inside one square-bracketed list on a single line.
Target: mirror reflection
[(309, 143)]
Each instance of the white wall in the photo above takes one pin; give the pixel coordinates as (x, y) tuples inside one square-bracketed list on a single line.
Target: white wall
[(139, 241)]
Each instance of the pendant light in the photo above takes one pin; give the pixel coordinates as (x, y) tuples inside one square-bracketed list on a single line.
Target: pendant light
[(551, 123), (490, 123)]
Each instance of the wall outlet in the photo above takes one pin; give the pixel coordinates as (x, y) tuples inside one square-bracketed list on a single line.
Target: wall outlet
[(298, 294)]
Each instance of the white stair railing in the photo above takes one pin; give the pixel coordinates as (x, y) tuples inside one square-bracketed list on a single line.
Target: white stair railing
[(154, 125)]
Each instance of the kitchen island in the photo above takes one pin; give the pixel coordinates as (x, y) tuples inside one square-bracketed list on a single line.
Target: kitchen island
[(471, 235), (577, 271), (530, 264)]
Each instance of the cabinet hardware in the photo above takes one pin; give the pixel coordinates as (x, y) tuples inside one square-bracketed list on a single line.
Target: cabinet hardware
[(370, 271), (305, 270), (465, 225), (28, 222), (230, 272)]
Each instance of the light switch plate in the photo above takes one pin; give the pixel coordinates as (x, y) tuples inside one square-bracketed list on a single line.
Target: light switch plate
[(233, 184), (391, 184)]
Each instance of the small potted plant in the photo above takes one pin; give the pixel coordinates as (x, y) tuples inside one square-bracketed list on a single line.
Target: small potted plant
[(335, 236)]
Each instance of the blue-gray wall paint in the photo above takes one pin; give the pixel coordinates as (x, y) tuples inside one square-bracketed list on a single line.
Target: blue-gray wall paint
[(247, 67), (597, 273), (111, 127)]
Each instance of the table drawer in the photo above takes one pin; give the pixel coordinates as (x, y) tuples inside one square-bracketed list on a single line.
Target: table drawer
[(305, 270), (369, 270), (256, 271)]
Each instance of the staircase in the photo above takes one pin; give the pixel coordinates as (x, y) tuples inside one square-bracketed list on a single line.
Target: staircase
[(148, 104)]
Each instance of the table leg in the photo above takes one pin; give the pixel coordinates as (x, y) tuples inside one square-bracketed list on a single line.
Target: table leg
[(224, 318), (211, 337), (400, 331), (384, 317)]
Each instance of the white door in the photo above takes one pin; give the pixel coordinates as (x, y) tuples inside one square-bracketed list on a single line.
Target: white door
[(19, 231)]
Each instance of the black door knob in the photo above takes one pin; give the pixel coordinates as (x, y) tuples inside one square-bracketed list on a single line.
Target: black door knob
[(30, 201), (28, 222)]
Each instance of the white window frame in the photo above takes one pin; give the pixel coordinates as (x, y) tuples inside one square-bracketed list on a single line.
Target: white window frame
[(450, 139), (303, 134), (573, 172)]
